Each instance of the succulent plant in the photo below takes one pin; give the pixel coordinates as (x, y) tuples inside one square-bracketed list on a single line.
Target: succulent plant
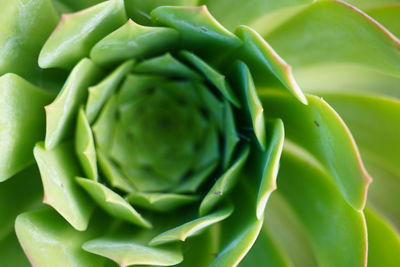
[(199, 133)]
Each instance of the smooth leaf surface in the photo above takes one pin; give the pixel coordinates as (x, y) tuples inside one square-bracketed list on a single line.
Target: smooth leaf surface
[(61, 112), (58, 168), (319, 129), (48, 239), (112, 203), (21, 112), (76, 34), (328, 31), (161, 202), (375, 123), (191, 228), (334, 235), (21, 42)]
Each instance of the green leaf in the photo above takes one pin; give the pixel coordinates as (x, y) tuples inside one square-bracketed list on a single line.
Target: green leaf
[(336, 231), (191, 228), (224, 184), (84, 146), (319, 129), (102, 91), (198, 29), (230, 134), (58, 169), (212, 75), (232, 13), (103, 127), (161, 202), (130, 250), (375, 123), (47, 239), (131, 41), (328, 30), (166, 65), (21, 42), (388, 16), (263, 60), (253, 103), (76, 34), (112, 173), (11, 253), (61, 113), (21, 112), (112, 203), (383, 241)]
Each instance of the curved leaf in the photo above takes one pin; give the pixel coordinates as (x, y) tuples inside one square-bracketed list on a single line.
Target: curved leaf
[(21, 112)]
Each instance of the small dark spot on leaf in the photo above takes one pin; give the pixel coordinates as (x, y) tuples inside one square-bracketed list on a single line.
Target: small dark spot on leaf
[(215, 254), (218, 193), (316, 123), (203, 29)]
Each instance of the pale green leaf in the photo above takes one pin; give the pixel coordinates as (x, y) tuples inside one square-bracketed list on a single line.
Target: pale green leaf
[(76, 34), (58, 168), (22, 122), (161, 202), (112, 203), (61, 113)]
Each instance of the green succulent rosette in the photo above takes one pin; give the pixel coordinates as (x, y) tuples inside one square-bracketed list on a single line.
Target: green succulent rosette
[(158, 134)]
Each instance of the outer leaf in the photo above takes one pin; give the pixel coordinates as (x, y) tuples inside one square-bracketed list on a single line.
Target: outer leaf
[(58, 169), (375, 124), (335, 229), (61, 113), (319, 129), (47, 239), (232, 13), (21, 112), (328, 31), (113, 203), (263, 60), (21, 42), (78, 32), (191, 228), (388, 16), (161, 202), (383, 241)]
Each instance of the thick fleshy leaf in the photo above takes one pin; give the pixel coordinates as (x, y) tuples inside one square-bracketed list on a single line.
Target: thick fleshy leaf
[(253, 104), (21, 42), (99, 93), (224, 184), (48, 239), (84, 146), (112, 173), (230, 134), (287, 233), (375, 123), (166, 65), (319, 129), (58, 169), (383, 241), (335, 32), (76, 34), (193, 227), (263, 60), (133, 41), (311, 197), (232, 13), (198, 30), (103, 128), (61, 113), (112, 203), (22, 122), (131, 250), (213, 76), (11, 252), (140, 10), (161, 202), (388, 16)]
